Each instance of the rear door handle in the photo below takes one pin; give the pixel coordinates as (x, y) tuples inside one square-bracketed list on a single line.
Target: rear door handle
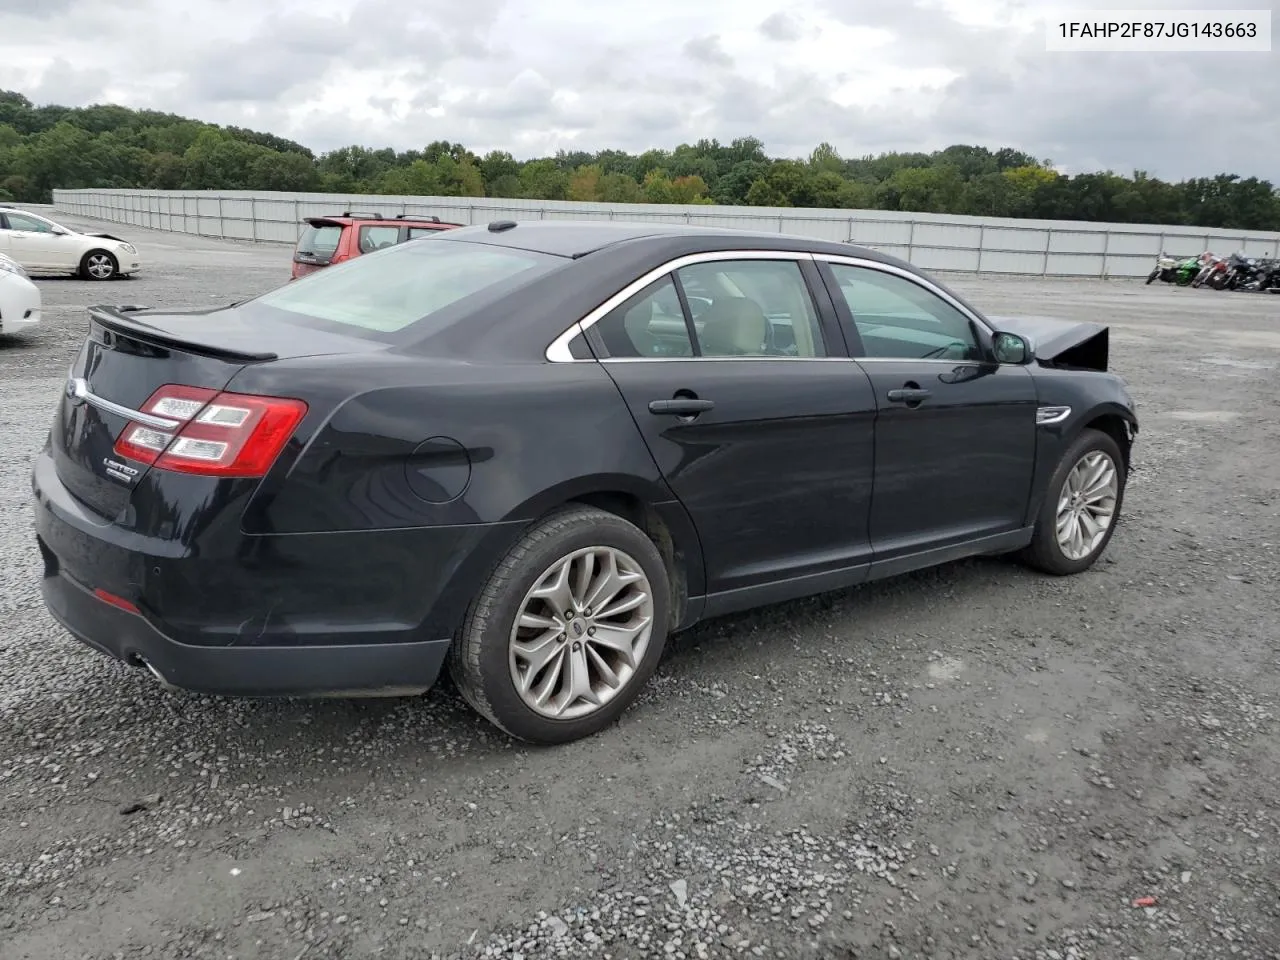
[(908, 395), (680, 407)]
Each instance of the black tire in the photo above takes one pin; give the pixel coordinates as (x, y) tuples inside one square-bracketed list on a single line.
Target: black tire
[(1152, 275), (1044, 553), (99, 265), (479, 659)]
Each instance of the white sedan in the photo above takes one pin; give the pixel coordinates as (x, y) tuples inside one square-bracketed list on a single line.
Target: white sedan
[(43, 246), (19, 298)]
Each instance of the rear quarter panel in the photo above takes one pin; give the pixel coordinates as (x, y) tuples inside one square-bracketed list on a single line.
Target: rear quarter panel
[(508, 442)]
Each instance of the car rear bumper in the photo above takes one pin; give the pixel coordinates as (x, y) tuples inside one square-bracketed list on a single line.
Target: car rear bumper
[(372, 669), (19, 304), (322, 619)]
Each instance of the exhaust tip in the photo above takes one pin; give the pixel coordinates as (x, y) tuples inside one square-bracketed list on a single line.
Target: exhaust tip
[(141, 662)]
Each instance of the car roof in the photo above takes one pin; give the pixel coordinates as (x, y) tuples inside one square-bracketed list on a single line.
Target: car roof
[(578, 238), (347, 219)]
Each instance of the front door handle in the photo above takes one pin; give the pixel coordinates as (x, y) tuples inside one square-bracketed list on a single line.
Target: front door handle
[(908, 395), (680, 407)]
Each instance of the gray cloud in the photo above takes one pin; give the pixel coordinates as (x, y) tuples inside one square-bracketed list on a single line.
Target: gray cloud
[(531, 78), (37, 9), (708, 50), (781, 26), (63, 82)]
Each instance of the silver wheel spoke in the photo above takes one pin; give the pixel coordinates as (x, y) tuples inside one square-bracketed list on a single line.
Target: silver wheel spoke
[(533, 621), (538, 654), (623, 605), (610, 583), (551, 681), (582, 583), (620, 640), (1100, 489), (601, 667), (580, 686), (555, 588), (581, 632)]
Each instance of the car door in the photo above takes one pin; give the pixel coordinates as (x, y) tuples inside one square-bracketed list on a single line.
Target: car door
[(33, 243), (759, 422), (955, 432)]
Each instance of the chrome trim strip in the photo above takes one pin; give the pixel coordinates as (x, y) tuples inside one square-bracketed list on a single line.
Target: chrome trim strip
[(722, 359), (1047, 416), (949, 363), (78, 389), (906, 275), (558, 350)]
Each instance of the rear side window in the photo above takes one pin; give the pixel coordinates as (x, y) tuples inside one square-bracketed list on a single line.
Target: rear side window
[(387, 291), (415, 232), (378, 238), (320, 241)]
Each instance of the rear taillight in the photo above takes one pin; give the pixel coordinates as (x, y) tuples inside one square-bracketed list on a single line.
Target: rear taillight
[(217, 434)]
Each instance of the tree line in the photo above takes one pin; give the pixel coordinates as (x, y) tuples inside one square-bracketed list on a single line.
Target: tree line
[(43, 147)]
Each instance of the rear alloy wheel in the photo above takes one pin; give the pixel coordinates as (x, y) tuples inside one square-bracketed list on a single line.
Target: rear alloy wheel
[(99, 265), (1081, 507), (568, 629)]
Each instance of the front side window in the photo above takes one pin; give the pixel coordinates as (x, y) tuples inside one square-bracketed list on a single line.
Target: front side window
[(899, 319), (391, 289), (18, 221)]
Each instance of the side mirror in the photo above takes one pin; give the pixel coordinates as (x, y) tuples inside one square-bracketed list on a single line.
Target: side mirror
[(60, 232), (1011, 348)]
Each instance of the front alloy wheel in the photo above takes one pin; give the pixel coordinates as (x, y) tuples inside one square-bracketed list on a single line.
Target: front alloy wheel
[(1081, 506), (1087, 505), (98, 265)]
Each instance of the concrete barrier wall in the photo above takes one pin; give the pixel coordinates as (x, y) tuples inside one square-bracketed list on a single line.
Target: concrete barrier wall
[(931, 241)]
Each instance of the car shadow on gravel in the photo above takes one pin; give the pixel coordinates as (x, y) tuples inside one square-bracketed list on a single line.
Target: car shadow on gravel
[(311, 732), (19, 341)]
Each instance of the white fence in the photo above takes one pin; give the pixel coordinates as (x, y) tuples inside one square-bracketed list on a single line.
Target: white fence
[(930, 241)]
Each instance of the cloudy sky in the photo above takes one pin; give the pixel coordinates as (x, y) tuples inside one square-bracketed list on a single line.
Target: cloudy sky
[(534, 76)]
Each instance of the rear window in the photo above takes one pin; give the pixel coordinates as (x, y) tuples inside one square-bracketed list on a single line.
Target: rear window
[(320, 241), (391, 289)]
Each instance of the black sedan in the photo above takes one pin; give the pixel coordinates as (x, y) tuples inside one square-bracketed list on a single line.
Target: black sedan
[(533, 451)]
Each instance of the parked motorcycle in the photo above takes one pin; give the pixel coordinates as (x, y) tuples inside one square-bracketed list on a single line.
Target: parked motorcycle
[(1241, 271), (1176, 270), (1211, 267), (1268, 280)]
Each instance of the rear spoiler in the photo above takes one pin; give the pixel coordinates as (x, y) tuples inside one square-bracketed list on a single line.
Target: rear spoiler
[(124, 320)]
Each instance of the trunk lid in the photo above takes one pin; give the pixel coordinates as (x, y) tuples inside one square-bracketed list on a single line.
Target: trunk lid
[(127, 356)]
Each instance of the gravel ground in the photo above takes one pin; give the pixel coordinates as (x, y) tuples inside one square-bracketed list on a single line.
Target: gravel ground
[(970, 762)]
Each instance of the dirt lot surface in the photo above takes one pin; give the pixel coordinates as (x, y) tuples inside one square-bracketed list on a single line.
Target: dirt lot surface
[(976, 761)]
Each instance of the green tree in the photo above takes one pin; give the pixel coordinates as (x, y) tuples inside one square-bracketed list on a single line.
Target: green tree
[(46, 146)]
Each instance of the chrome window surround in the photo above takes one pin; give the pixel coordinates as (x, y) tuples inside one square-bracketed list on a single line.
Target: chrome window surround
[(558, 350)]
